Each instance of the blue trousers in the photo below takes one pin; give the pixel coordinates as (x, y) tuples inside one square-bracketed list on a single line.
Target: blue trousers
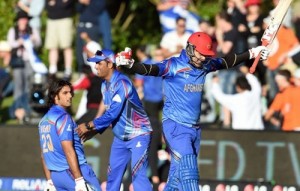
[(121, 152), (181, 140), (64, 180)]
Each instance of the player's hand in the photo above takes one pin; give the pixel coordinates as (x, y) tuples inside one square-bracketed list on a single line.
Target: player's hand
[(81, 130), (88, 135), (82, 185), (124, 58), (49, 186), (122, 61), (254, 52)]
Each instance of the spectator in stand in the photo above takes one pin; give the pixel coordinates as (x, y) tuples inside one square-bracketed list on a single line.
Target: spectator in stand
[(105, 27), (245, 105), (226, 35), (34, 9), (286, 102), (6, 84), (59, 35), (174, 41), (20, 64), (152, 96), (88, 80), (169, 10), (296, 18), (91, 83), (255, 24), (89, 11), (296, 78), (237, 12), (208, 28)]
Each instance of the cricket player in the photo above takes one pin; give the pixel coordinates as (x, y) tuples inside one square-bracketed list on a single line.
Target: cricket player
[(183, 80), (63, 158), (122, 110)]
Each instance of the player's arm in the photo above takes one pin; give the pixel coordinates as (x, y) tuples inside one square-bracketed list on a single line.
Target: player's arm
[(232, 59), (122, 92), (65, 132), (46, 170), (143, 69), (49, 186), (71, 158), (101, 109), (69, 150), (86, 130), (100, 124), (276, 105)]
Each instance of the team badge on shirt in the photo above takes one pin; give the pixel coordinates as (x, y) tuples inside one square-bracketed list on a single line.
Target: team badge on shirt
[(117, 98)]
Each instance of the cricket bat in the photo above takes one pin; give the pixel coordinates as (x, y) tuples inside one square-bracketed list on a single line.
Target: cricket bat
[(273, 27)]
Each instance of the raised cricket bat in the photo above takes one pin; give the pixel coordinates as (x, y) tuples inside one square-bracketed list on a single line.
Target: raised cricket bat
[(273, 27)]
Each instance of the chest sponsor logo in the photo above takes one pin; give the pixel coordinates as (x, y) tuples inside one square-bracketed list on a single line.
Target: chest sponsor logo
[(193, 87)]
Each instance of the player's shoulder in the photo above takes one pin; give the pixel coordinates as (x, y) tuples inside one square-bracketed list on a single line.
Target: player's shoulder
[(56, 113), (122, 79)]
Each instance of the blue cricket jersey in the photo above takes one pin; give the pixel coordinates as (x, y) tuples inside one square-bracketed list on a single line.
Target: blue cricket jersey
[(124, 110), (183, 86), (56, 126), (152, 86)]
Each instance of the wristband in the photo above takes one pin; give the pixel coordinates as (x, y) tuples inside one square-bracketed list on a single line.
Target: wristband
[(79, 179)]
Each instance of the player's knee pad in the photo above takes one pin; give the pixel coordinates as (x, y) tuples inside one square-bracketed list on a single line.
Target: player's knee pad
[(189, 175)]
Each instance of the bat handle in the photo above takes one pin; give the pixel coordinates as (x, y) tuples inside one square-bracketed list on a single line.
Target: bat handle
[(253, 67)]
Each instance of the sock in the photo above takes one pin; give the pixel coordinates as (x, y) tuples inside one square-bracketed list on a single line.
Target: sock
[(52, 69), (68, 71)]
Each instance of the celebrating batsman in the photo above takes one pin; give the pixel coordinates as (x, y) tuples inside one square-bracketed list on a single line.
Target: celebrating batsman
[(184, 79)]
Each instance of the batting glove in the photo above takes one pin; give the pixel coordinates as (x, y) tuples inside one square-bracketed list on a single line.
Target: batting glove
[(81, 185), (254, 52), (49, 186), (121, 60)]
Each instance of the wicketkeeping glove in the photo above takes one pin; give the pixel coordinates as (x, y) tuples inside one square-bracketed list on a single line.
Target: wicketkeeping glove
[(254, 52), (49, 186), (82, 185)]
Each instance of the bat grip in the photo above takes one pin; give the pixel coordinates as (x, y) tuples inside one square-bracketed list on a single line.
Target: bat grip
[(253, 67)]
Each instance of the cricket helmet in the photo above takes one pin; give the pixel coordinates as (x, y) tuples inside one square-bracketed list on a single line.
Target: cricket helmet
[(200, 42)]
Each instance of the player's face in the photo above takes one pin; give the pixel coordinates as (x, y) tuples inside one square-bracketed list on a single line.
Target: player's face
[(103, 70), (198, 59), (64, 97)]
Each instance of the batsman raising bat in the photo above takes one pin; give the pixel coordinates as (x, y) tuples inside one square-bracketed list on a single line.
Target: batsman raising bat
[(273, 27), (184, 79)]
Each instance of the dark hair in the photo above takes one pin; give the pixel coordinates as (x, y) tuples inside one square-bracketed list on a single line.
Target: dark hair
[(285, 73), (224, 15), (54, 89), (86, 69), (180, 18), (242, 82), (142, 48)]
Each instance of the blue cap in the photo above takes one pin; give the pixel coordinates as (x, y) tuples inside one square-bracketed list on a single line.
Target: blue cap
[(104, 54)]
